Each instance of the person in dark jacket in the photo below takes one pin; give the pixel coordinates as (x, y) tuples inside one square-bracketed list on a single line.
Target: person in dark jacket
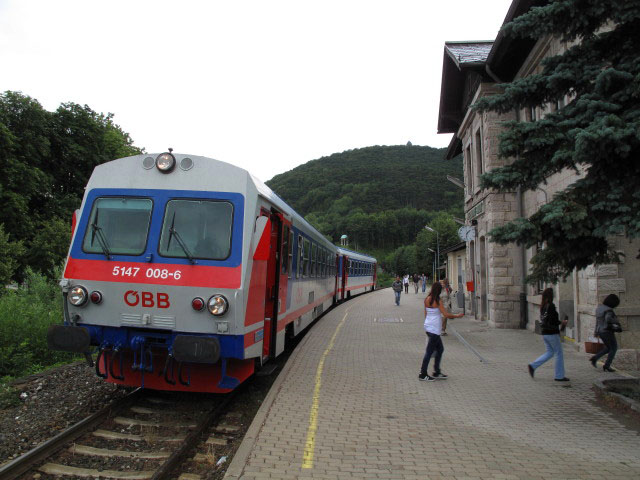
[(397, 289), (550, 329), (605, 316)]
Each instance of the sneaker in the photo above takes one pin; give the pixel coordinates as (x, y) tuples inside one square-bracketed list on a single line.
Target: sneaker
[(531, 370), (563, 379), (423, 377), (608, 369), (440, 376)]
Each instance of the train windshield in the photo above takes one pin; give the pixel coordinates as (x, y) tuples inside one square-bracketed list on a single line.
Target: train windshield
[(118, 226), (197, 229)]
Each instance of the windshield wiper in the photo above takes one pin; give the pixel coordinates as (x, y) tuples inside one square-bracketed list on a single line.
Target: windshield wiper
[(99, 234), (173, 232)]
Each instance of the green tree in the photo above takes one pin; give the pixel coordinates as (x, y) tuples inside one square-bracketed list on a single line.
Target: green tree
[(595, 133), (46, 159), (9, 253)]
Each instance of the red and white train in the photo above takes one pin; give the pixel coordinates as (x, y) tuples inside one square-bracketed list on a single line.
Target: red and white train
[(187, 273)]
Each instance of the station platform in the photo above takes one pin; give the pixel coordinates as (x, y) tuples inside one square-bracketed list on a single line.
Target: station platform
[(348, 405)]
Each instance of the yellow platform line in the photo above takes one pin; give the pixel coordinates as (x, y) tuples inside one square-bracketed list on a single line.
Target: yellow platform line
[(307, 460)]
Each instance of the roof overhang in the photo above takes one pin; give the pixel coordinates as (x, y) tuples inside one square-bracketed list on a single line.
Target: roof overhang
[(508, 54), (459, 60)]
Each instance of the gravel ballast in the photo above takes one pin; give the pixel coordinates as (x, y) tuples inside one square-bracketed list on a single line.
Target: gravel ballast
[(49, 403)]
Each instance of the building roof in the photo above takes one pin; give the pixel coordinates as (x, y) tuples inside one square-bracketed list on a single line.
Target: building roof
[(509, 53), (454, 248), (468, 63), (460, 58), (464, 53)]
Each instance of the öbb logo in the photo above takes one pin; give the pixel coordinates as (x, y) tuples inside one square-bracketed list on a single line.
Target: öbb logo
[(146, 299)]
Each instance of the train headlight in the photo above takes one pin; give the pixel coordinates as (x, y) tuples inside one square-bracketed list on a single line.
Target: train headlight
[(165, 162), (78, 296), (218, 305)]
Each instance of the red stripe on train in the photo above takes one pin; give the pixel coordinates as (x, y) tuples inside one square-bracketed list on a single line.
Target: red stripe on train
[(154, 273)]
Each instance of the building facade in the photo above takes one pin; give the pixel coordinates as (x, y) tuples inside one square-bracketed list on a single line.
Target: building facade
[(472, 70)]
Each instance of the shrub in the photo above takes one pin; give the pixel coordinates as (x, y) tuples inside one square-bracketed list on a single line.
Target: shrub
[(25, 316)]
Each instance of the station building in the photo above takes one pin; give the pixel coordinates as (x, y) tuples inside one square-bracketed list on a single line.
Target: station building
[(501, 297)]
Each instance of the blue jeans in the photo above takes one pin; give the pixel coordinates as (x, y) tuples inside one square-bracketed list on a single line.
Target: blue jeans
[(424, 286), (611, 347), (434, 346), (554, 347), (397, 297)]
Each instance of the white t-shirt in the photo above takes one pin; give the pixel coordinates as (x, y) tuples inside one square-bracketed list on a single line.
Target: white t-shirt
[(433, 321)]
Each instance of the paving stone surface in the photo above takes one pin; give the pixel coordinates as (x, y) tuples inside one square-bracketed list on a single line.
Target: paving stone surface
[(488, 420)]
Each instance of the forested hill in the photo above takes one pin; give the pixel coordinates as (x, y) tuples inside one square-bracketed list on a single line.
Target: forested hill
[(381, 197), (375, 179)]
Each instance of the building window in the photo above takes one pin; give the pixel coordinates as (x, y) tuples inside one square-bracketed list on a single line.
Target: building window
[(469, 179), (479, 162)]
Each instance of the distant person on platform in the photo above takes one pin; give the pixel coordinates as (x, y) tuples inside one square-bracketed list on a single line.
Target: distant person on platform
[(416, 279), (606, 326), (445, 296), (423, 279), (435, 310), (397, 289), (405, 281), (550, 328)]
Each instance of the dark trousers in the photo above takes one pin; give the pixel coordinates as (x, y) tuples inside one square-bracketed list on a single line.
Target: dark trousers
[(436, 346), (610, 347), (406, 288)]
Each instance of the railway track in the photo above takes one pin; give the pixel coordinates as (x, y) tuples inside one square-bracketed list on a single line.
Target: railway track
[(145, 435)]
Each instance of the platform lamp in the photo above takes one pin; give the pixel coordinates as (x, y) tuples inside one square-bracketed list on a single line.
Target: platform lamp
[(433, 263), (427, 227)]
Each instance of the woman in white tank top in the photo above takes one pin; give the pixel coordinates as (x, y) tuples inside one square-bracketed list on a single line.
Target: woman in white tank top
[(435, 310)]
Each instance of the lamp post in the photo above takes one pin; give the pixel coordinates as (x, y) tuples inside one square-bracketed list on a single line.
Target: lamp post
[(433, 264), (427, 227)]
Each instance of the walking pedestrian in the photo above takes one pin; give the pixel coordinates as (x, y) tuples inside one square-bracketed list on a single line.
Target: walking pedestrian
[(423, 279), (550, 329), (435, 310), (405, 282), (416, 279), (606, 326), (397, 289)]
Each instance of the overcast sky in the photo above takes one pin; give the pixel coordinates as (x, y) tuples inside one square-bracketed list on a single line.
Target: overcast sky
[(266, 85)]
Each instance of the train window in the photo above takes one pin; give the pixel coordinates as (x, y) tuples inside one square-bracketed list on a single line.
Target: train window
[(196, 228), (314, 257), (118, 226), (324, 263), (299, 270), (290, 253), (305, 261), (285, 248)]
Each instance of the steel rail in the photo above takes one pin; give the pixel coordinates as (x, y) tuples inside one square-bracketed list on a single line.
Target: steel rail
[(166, 469), (24, 462)]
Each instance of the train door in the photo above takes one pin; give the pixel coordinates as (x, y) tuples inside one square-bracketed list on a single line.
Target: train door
[(272, 287), (336, 293), (345, 274)]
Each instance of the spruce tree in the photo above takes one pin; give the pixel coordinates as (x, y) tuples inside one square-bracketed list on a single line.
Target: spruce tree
[(596, 134)]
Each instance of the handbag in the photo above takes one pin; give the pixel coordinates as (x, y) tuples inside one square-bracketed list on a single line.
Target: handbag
[(613, 325)]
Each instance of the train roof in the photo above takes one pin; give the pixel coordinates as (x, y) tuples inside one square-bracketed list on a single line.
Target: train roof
[(355, 255), (131, 172)]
